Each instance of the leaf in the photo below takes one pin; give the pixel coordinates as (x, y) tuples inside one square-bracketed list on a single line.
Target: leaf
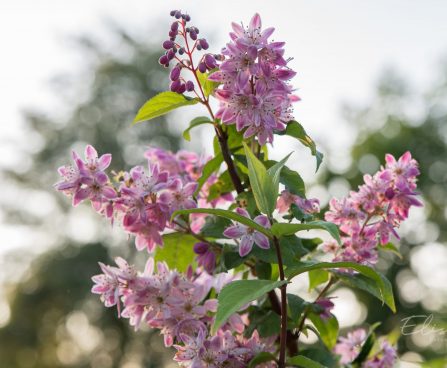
[(274, 173), (214, 227), (177, 251), (238, 293), (162, 104), (281, 229), (296, 306), (263, 270), (226, 214), (327, 329), (366, 348), (390, 247), (293, 182), (291, 250), (262, 357), (194, 123), (210, 167), (317, 277), (304, 362), (369, 285), (221, 186), (207, 85), (261, 183), (296, 130), (382, 286)]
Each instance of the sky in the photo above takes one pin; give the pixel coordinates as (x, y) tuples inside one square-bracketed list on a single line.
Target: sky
[(339, 50)]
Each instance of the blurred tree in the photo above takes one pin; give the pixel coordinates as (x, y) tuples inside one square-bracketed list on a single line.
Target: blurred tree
[(395, 121), (54, 320)]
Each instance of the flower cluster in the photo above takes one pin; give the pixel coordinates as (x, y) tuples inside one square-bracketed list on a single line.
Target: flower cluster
[(175, 49), (371, 214), (255, 93), (348, 348), (176, 304), (142, 201)]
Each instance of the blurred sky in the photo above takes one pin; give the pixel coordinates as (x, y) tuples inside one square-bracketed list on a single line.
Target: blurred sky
[(339, 48)]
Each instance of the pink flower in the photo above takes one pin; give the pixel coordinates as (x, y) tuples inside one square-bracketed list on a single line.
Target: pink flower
[(372, 214), (326, 306), (255, 94), (349, 347), (247, 235), (179, 196)]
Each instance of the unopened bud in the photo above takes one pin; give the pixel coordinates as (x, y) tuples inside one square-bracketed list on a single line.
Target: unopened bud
[(168, 44), (189, 86)]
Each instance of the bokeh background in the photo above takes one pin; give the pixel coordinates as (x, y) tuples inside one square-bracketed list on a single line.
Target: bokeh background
[(372, 76)]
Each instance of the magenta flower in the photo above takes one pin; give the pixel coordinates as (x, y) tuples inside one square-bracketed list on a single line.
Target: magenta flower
[(349, 347), (286, 199), (205, 256), (326, 306), (247, 235)]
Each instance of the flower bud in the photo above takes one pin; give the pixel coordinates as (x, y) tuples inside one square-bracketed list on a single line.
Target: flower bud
[(204, 44), (163, 60), (189, 86), (202, 67), (199, 48), (200, 248), (193, 35), (210, 61), (172, 13), (177, 14), (181, 50), (175, 73), (182, 88), (168, 44), (172, 34), (174, 26), (187, 18), (175, 85), (170, 54)]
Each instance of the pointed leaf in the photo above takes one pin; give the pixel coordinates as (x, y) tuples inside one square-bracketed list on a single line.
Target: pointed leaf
[(239, 293), (162, 104), (210, 167), (382, 286), (281, 229), (260, 182), (304, 362), (296, 130)]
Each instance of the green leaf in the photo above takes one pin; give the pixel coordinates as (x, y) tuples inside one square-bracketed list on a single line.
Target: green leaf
[(281, 229), (296, 130), (390, 247), (162, 104), (262, 357), (238, 293), (221, 186), (327, 329), (381, 287), (370, 285), (293, 182), (207, 85), (226, 214), (194, 123), (261, 183), (263, 270), (214, 227), (291, 249), (296, 306), (210, 167), (177, 251), (317, 277), (274, 173), (366, 348), (304, 362)]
